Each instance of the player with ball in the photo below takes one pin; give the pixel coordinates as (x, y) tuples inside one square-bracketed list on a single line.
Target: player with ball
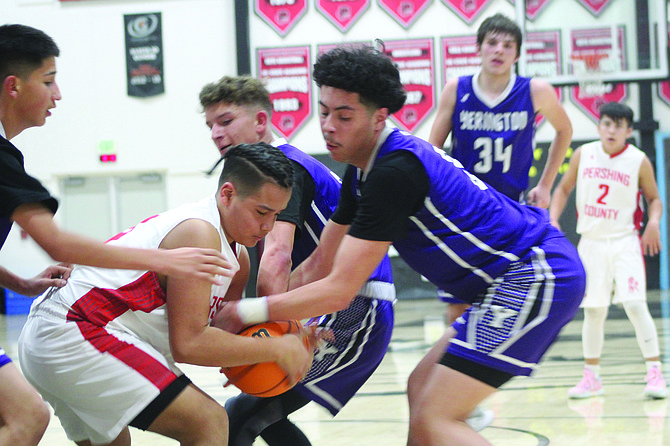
[(103, 349)]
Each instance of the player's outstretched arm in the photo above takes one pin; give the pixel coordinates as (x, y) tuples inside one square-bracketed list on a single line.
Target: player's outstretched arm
[(320, 262), (564, 189), (355, 261), (651, 237), (545, 102), (67, 247), (53, 276), (274, 269)]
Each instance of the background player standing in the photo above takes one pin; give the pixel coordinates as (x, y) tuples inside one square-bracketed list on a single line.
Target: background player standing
[(609, 175), (491, 118), (238, 110)]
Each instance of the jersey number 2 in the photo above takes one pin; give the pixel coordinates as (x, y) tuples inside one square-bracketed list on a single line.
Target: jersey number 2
[(606, 190), (491, 150)]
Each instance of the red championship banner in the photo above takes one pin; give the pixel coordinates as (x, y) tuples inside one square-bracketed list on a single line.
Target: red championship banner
[(281, 15), (595, 45), (417, 74), (543, 58), (342, 13), (595, 7), (325, 47), (467, 10), (534, 7), (459, 57), (664, 87), (404, 12), (286, 73)]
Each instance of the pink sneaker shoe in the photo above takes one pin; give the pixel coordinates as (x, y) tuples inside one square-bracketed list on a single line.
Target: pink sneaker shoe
[(589, 386), (656, 387)]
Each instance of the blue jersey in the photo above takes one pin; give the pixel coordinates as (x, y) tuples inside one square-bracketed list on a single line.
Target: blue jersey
[(465, 235), (494, 139), (326, 195)]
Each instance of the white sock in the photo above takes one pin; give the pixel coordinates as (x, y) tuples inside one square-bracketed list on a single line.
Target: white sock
[(652, 364), (595, 369)]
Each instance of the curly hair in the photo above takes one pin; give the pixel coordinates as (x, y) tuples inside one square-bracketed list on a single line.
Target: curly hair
[(250, 166), (23, 50), (240, 90), (363, 70), (500, 24)]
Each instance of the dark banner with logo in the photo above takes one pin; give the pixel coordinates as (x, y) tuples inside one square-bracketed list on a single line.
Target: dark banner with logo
[(144, 54)]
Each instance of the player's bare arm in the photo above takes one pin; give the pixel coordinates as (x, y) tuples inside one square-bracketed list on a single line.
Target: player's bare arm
[(320, 262), (445, 108), (355, 261), (651, 237), (192, 340), (274, 268), (545, 102), (241, 277), (564, 189), (52, 276), (68, 247)]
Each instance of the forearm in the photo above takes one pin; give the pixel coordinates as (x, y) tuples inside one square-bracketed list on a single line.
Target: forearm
[(655, 211), (273, 273), (10, 280), (213, 347), (72, 248), (555, 158), (314, 268), (312, 300), (558, 202)]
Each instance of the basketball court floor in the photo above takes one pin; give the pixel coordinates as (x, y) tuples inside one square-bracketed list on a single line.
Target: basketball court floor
[(528, 411)]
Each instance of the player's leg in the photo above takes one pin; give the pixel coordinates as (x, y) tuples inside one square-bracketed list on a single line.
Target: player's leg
[(284, 432), (441, 406), (647, 338), (249, 416), (631, 290), (420, 374), (122, 440), (23, 415), (192, 418), (596, 256), (480, 418)]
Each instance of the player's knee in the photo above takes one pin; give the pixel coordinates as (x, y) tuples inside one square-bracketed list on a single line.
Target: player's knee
[(29, 428), (214, 423), (208, 426)]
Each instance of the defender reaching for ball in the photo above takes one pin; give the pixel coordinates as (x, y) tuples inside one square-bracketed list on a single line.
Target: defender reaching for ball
[(102, 349), (522, 276)]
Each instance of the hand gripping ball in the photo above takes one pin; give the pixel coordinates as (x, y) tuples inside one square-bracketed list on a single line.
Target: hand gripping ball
[(266, 378)]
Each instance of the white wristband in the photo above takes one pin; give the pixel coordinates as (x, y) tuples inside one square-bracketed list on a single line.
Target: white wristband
[(253, 310)]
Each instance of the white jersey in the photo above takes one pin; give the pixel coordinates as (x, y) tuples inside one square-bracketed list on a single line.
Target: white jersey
[(129, 302), (608, 194)]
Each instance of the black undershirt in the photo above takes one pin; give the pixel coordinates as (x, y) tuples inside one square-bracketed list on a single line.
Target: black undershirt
[(393, 191)]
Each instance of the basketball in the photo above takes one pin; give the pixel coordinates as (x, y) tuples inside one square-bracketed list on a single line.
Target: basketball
[(267, 378)]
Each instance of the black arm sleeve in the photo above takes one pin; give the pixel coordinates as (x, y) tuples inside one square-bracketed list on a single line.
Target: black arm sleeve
[(393, 191)]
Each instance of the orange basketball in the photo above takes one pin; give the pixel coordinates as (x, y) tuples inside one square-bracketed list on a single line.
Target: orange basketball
[(266, 378)]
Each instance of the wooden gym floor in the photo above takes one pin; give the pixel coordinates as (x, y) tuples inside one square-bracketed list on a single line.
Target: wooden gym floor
[(528, 411)]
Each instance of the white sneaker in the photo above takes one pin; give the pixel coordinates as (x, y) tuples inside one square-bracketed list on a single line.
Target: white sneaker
[(480, 418)]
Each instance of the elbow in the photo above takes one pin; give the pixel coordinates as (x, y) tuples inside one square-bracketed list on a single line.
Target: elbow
[(182, 350), (57, 252), (341, 299), (180, 353)]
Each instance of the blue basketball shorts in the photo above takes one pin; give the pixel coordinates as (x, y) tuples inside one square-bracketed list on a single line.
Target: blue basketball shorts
[(511, 326)]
